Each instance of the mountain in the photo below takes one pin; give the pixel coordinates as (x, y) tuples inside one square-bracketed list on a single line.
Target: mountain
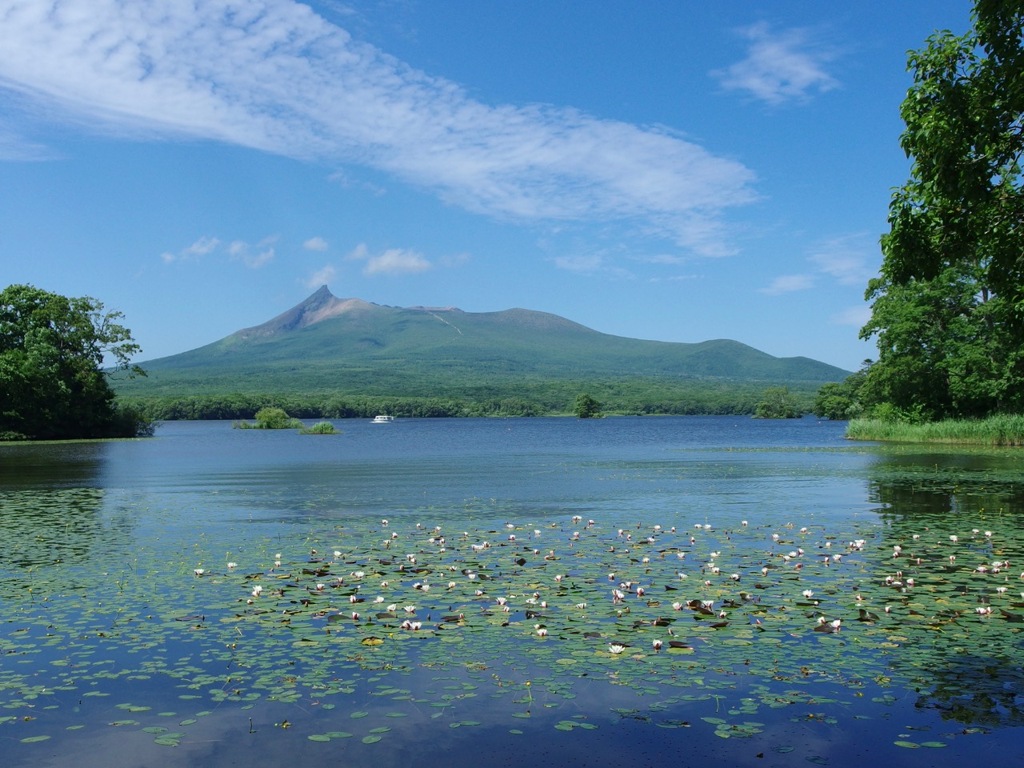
[(349, 345)]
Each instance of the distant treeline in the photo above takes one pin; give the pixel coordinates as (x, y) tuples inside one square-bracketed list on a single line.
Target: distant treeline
[(617, 398)]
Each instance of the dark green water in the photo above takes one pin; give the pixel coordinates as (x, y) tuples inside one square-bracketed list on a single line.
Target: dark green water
[(677, 589)]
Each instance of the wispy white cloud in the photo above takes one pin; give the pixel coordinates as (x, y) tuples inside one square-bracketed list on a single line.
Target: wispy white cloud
[(454, 260), (780, 66), (669, 259), (323, 276), (315, 244), (583, 264), (15, 148), (788, 284), (253, 256), (855, 316), (273, 75), (204, 246), (394, 261), (845, 258), (600, 263)]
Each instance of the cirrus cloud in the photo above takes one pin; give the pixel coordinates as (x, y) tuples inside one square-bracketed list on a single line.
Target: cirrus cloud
[(274, 76), (393, 261), (780, 66), (788, 284), (315, 244)]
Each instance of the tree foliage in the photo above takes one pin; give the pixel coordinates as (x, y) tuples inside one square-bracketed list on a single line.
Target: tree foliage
[(777, 403), (272, 417), (842, 400), (948, 305), (586, 407), (638, 397), (52, 381)]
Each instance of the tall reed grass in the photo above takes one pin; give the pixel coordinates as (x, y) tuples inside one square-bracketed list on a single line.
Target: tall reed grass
[(1003, 430)]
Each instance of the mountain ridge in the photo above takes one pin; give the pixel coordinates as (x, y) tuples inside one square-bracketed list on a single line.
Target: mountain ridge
[(326, 343)]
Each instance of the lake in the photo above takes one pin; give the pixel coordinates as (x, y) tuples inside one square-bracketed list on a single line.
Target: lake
[(464, 592)]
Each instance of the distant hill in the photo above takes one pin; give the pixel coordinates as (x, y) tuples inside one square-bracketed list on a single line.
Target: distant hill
[(327, 344)]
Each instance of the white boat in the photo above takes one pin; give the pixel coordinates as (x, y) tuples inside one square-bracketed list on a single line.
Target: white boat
[(382, 419)]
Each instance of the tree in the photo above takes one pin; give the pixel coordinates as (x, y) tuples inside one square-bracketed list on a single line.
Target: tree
[(52, 383), (587, 407), (948, 305), (842, 400), (776, 403)]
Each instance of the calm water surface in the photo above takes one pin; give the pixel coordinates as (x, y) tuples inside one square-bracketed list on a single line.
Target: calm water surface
[(190, 599)]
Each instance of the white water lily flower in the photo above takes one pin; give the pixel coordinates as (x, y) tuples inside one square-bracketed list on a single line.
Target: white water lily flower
[(616, 648)]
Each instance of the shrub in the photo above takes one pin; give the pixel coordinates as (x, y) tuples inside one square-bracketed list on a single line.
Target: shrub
[(271, 418), (320, 428)]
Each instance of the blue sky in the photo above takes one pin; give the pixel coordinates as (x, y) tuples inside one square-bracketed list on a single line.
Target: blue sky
[(665, 170)]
